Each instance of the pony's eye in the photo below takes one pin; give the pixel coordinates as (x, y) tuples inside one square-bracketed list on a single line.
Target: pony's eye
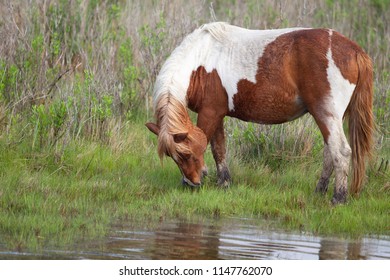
[(185, 156)]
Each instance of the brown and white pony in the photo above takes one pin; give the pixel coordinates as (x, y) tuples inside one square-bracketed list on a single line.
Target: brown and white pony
[(267, 77)]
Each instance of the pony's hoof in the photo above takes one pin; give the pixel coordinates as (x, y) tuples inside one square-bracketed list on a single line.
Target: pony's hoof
[(224, 179), (339, 198), (322, 186), (224, 184)]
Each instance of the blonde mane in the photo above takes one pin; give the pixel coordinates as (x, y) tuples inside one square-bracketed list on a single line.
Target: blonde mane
[(172, 118)]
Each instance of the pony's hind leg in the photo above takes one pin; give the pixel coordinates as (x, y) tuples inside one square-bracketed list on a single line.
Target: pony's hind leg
[(340, 152), (323, 183), (218, 148), (336, 156)]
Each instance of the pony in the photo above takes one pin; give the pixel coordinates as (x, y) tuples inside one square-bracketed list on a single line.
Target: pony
[(265, 77)]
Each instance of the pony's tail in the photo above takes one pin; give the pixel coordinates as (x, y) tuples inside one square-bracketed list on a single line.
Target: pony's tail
[(361, 121)]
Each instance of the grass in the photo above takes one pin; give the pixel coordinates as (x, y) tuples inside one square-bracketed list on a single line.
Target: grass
[(52, 201)]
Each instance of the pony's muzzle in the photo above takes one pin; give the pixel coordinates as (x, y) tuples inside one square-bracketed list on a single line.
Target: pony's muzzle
[(186, 182)]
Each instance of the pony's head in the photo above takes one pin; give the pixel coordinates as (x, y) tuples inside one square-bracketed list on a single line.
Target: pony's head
[(186, 148)]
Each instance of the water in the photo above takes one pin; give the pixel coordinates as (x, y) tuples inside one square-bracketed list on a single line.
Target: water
[(222, 239)]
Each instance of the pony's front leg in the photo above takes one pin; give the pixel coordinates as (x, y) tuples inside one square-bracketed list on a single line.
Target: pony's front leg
[(211, 123), (218, 148)]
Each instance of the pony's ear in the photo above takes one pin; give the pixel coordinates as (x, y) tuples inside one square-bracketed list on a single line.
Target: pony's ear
[(153, 128), (180, 137)]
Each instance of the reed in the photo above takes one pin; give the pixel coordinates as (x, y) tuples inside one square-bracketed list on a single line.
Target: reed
[(73, 69)]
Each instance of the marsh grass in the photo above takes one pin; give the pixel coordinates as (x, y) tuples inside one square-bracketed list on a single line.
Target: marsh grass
[(48, 201), (76, 80)]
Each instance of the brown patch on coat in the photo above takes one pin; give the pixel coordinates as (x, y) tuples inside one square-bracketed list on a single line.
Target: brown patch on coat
[(207, 96), (344, 53), (291, 81)]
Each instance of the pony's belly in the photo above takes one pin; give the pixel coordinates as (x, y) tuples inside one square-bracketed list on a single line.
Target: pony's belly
[(269, 110)]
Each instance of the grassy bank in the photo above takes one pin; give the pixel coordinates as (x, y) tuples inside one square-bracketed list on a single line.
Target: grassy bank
[(50, 200), (76, 80)]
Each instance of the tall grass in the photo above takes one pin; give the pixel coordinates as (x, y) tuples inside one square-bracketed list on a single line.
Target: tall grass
[(74, 69)]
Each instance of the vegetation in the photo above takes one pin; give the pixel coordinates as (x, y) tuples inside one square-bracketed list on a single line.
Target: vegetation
[(76, 79)]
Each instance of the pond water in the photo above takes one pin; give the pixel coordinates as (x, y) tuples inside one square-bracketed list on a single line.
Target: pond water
[(214, 239)]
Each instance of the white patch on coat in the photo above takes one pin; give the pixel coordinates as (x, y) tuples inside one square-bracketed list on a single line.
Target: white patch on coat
[(232, 51), (341, 89)]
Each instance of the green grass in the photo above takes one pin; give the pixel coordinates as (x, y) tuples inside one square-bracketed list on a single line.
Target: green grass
[(47, 200)]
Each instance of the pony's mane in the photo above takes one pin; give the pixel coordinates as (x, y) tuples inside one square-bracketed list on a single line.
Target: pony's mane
[(218, 29), (172, 118)]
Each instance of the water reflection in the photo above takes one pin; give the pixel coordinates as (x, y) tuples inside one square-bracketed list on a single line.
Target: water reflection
[(173, 240), (238, 239), (338, 250), (222, 239)]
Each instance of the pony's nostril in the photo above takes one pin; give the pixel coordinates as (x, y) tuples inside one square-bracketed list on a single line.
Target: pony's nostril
[(184, 182)]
